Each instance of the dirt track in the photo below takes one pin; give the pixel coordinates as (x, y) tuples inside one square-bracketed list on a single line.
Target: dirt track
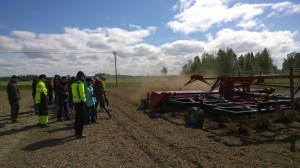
[(135, 139)]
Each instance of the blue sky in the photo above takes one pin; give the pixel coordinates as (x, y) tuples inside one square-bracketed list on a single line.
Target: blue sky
[(62, 37)]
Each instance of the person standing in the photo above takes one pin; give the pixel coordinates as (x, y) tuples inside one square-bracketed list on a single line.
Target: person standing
[(99, 94), (41, 100), (63, 98), (90, 102), (79, 102), (14, 97), (106, 102), (50, 91), (69, 83), (33, 87), (55, 88)]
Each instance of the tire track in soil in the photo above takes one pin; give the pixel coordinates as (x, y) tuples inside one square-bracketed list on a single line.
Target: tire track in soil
[(138, 126), (145, 144)]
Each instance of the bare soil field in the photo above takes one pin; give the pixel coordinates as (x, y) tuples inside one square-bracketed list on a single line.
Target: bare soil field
[(132, 138)]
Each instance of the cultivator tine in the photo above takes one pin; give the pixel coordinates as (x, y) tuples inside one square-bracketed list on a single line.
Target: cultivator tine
[(195, 78)]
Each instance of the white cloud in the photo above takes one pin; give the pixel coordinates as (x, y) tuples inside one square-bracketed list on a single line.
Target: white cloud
[(53, 52), (9, 44), (209, 37), (182, 47), (202, 15), (93, 50), (280, 43), (286, 7), (183, 4), (135, 27), (247, 24), (23, 34), (141, 49)]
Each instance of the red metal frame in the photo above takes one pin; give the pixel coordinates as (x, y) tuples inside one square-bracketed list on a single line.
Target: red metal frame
[(227, 87)]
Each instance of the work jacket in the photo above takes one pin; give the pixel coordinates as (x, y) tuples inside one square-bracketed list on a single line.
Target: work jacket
[(78, 92), (98, 90), (90, 98), (41, 92), (104, 85), (63, 93), (13, 92)]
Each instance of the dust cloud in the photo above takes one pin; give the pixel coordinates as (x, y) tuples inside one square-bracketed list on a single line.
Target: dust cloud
[(166, 83)]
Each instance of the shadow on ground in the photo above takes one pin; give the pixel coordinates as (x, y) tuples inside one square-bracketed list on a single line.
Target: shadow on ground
[(20, 115), (14, 131), (48, 143)]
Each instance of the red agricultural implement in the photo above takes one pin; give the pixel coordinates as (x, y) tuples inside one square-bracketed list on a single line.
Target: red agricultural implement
[(227, 96)]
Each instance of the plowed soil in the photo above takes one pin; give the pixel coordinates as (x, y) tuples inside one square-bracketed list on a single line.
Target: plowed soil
[(132, 138)]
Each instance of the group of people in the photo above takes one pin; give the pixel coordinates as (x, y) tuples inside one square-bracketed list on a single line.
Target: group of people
[(82, 93)]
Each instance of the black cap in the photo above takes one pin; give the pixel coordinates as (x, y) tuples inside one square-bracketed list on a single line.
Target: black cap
[(42, 76), (80, 73), (15, 76)]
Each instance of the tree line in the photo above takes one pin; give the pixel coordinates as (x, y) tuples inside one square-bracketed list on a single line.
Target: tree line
[(226, 61)]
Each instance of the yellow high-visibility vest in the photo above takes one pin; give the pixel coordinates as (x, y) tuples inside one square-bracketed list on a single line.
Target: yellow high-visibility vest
[(103, 84), (78, 92), (40, 88)]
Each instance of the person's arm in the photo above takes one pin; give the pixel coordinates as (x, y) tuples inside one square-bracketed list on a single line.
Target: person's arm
[(13, 92), (65, 91)]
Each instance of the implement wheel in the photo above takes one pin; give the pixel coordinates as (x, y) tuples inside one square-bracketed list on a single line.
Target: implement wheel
[(195, 117)]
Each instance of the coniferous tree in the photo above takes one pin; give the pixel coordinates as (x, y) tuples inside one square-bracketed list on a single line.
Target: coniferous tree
[(196, 66), (226, 59)]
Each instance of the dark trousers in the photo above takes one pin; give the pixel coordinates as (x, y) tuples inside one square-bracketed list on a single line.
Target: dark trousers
[(50, 98), (55, 97), (91, 115), (70, 101), (79, 117), (34, 105), (63, 107), (14, 111), (42, 109)]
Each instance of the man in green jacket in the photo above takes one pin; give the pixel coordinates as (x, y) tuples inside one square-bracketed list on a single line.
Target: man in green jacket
[(79, 102), (41, 100), (14, 97)]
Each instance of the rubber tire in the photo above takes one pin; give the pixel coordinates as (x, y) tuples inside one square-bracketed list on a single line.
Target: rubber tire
[(195, 117)]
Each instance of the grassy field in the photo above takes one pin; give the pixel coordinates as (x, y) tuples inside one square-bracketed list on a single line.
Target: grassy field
[(123, 82)]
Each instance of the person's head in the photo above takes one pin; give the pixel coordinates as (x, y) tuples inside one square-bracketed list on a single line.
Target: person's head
[(80, 75), (73, 78), (64, 79), (43, 77), (14, 78), (89, 81), (97, 79), (103, 78)]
